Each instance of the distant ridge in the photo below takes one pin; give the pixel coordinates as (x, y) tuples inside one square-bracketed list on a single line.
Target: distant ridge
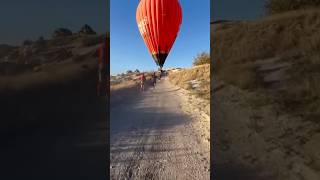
[(220, 21), (6, 46)]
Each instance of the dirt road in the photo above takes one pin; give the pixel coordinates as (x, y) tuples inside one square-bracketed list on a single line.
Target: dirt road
[(152, 138)]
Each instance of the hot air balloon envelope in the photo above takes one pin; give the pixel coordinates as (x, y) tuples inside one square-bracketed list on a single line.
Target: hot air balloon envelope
[(159, 23)]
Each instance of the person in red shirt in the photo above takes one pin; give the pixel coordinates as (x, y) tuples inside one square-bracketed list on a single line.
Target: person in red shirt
[(142, 81)]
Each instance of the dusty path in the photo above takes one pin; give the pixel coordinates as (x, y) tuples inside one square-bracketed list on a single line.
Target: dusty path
[(152, 138)]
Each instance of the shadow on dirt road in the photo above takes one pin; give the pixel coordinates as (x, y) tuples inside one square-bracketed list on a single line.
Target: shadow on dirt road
[(57, 131)]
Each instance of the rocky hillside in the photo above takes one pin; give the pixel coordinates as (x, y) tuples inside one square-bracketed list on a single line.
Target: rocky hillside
[(50, 82), (266, 75), (48, 60)]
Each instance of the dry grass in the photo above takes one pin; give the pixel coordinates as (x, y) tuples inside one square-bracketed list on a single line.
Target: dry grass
[(280, 6), (126, 87), (61, 41), (293, 37), (53, 94), (53, 71), (244, 76), (5, 49), (272, 36), (90, 40), (274, 67), (200, 73), (122, 85), (128, 81), (49, 74)]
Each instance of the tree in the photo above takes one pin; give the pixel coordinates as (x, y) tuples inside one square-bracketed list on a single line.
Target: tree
[(62, 32), (27, 42), (40, 41), (87, 30), (202, 58)]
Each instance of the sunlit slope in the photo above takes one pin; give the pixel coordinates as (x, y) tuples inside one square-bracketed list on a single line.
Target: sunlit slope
[(266, 84), (59, 89), (280, 53), (195, 79)]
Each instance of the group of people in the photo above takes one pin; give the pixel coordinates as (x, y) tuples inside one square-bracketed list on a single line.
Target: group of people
[(153, 80), (103, 62)]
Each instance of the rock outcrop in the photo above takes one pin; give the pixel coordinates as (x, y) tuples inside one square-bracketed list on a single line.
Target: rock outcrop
[(86, 30), (62, 32)]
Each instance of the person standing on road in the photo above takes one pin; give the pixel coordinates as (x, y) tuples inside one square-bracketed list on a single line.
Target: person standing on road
[(142, 81), (154, 79)]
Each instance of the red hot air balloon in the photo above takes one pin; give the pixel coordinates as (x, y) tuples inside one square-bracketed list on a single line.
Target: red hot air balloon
[(159, 23)]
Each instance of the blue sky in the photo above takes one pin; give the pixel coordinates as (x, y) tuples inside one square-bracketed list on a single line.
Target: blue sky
[(29, 19), (128, 51), (237, 9)]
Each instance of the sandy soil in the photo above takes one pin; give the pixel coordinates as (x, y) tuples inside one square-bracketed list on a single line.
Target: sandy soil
[(255, 140), (259, 143), (152, 137)]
